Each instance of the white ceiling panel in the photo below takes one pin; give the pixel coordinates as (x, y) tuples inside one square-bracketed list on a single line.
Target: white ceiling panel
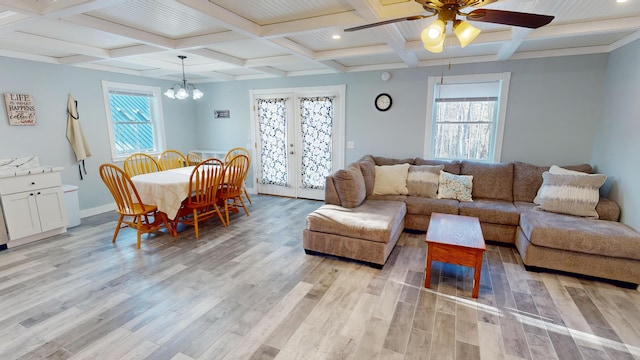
[(273, 12), (229, 39), (248, 49), (158, 17)]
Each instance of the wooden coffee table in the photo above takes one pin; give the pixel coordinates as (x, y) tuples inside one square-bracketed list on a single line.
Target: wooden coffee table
[(455, 239)]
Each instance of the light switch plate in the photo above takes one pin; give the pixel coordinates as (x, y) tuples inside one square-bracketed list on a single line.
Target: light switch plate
[(351, 144)]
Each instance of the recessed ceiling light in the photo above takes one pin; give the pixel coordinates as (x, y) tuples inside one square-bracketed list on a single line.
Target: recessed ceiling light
[(621, 1), (336, 37)]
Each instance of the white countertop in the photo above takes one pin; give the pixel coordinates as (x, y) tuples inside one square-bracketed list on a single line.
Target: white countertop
[(5, 172)]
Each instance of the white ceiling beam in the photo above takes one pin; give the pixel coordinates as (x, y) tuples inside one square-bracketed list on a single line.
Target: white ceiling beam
[(586, 50), (26, 56), (586, 28), (270, 70), (624, 41), (272, 60), (53, 44), (208, 39), (302, 26), (60, 9), (113, 69), (214, 55), (510, 47), (78, 59), (334, 65), (353, 52), (135, 50), (224, 17), (398, 43), (124, 31), (389, 33)]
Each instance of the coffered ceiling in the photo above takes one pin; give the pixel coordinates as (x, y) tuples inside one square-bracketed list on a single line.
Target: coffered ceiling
[(251, 39)]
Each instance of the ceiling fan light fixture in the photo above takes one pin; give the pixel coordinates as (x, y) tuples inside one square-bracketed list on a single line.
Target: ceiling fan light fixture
[(433, 33), (465, 32), (183, 87)]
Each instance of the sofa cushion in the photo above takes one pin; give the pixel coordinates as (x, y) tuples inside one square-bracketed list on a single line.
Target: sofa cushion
[(422, 180), (608, 210), (426, 206), (381, 161), (367, 166), (491, 211), (374, 220), (349, 185), (457, 187), (572, 233), (571, 194), (452, 167), (490, 181), (391, 179), (527, 178)]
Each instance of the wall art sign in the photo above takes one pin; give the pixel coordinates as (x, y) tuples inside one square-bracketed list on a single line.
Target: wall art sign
[(20, 109), (218, 114)]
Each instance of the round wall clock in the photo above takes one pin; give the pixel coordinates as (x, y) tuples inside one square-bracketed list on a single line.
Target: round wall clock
[(383, 102)]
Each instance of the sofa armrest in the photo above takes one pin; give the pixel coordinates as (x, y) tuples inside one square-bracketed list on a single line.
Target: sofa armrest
[(608, 210), (330, 192)]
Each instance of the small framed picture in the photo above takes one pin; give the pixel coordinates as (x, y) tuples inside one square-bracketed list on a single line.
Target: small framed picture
[(219, 114), (20, 109)]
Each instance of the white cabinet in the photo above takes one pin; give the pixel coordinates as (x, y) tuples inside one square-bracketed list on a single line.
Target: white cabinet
[(33, 207)]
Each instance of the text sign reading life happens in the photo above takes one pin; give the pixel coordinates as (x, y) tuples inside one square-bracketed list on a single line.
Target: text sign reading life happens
[(20, 109)]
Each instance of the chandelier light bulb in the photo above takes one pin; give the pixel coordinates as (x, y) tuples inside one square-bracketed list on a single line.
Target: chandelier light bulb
[(183, 87)]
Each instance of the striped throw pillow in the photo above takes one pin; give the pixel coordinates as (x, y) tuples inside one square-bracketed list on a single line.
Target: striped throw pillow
[(422, 180), (570, 194)]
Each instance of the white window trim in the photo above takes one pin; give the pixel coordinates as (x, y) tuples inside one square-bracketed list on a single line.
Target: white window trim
[(466, 79), (157, 115)]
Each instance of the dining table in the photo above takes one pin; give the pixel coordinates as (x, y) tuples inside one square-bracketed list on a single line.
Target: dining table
[(165, 189)]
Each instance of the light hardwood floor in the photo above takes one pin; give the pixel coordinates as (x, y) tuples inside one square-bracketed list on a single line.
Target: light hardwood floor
[(249, 291)]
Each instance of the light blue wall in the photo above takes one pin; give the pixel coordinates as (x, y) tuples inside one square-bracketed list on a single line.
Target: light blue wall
[(49, 84), (616, 152), (552, 116)]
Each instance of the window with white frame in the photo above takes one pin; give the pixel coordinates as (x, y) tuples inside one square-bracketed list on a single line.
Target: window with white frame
[(134, 119), (466, 116)]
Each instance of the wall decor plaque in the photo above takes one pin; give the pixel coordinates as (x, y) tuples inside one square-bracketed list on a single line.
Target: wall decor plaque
[(219, 114), (20, 109)]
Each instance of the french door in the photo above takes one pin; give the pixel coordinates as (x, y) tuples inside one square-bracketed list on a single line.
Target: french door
[(298, 140)]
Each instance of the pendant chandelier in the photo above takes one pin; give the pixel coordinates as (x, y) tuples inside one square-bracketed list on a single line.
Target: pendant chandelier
[(181, 90)]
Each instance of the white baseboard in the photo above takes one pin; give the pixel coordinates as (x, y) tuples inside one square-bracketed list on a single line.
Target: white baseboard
[(97, 210)]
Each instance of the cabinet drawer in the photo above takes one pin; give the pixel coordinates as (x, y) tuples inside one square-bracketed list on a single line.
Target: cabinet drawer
[(17, 184)]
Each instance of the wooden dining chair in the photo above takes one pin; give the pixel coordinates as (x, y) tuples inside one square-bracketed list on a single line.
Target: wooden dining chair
[(240, 151), (235, 171), (140, 163), (171, 159), (203, 187), (193, 158), (129, 204)]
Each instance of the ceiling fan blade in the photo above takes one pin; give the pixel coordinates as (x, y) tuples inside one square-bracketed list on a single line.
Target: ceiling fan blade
[(410, 18), (478, 3), (528, 20)]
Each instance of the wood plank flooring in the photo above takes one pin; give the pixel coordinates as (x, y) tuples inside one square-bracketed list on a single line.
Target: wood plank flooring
[(248, 291)]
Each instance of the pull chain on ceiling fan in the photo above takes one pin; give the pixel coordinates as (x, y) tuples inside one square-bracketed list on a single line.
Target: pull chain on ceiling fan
[(448, 11)]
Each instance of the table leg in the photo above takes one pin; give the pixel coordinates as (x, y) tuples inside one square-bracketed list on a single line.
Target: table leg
[(427, 270), (476, 275)]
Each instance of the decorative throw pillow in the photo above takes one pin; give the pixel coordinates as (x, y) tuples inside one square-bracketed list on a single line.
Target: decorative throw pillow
[(571, 194), (350, 186), (557, 170), (423, 180), (455, 186), (391, 180)]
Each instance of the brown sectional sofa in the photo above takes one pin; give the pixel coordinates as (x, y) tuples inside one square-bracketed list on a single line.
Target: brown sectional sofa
[(357, 224)]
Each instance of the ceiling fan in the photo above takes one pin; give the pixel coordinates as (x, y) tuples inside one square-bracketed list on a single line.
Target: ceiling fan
[(449, 10)]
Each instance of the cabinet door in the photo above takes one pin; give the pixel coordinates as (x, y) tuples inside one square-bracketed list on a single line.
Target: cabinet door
[(51, 208), (21, 214)]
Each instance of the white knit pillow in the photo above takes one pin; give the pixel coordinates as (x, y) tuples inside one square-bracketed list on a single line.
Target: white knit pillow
[(391, 179), (557, 170), (571, 194)]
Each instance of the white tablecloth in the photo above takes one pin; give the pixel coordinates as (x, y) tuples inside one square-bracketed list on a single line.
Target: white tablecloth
[(165, 189)]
